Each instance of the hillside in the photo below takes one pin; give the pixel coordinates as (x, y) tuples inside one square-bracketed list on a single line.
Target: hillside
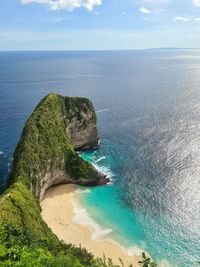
[(45, 156)]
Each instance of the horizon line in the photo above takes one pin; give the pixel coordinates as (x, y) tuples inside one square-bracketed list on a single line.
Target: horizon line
[(102, 50)]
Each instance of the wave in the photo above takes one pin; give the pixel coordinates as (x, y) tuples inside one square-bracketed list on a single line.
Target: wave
[(101, 233), (1, 153), (98, 233), (92, 158), (102, 110), (82, 217), (100, 159), (105, 170), (81, 191), (133, 251)]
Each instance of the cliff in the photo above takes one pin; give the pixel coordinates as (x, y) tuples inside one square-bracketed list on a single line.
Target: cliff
[(46, 156)]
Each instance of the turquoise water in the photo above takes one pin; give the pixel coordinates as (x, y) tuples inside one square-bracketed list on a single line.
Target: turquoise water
[(107, 209), (129, 228), (148, 112)]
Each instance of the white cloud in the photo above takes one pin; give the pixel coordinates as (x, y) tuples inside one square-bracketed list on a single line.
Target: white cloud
[(66, 4), (185, 19), (144, 10), (197, 19), (196, 3)]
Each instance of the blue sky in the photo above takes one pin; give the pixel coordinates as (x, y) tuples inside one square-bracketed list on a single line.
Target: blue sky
[(98, 24)]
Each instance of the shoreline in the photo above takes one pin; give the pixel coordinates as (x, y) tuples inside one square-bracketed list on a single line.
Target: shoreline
[(63, 214)]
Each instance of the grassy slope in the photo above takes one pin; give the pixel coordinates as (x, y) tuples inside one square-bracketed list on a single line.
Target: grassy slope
[(24, 236)]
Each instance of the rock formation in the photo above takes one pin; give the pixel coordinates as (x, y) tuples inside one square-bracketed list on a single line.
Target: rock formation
[(46, 156)]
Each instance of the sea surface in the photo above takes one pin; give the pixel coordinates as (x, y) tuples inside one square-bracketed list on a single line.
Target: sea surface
[(148, 109)]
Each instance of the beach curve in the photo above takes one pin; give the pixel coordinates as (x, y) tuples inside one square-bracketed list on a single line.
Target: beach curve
[(61, 211)]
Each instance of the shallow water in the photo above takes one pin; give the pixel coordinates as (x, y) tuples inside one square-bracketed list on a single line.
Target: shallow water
[(148, 112)]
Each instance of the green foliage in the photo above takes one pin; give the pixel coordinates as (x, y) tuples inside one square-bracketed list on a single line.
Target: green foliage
[(39, 257), (3, 252), (44, 145), (36, 257), (18, 248), (20, 209), (146, 261), (30, 253)]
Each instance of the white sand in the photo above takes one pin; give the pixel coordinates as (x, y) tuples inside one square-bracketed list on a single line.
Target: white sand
[(60, 212)]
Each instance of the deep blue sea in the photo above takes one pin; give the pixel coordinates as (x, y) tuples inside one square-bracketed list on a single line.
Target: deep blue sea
[(148, 109)]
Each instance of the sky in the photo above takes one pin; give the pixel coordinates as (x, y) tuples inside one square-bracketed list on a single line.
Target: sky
[(99, 24)]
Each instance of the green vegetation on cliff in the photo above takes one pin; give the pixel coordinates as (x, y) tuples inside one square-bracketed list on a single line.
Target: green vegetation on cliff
[(26, 240), (44, 146)]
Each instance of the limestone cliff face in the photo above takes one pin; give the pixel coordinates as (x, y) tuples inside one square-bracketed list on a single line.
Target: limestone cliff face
[(46, 154), (82, 129)]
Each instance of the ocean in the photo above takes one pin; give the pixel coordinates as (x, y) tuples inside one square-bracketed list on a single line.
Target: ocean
[(148, 110)]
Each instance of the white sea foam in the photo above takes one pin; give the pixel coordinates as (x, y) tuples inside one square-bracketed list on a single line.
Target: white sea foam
[(102, 110), (98, 233), (1, 153), (105, 170), (100, 159), (133, 251), (83, 218), (81, 191)]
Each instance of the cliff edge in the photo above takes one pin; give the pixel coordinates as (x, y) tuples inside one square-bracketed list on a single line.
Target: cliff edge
[(46, 156)]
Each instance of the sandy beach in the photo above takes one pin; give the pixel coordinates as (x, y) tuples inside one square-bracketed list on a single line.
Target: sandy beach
[(59, 211)]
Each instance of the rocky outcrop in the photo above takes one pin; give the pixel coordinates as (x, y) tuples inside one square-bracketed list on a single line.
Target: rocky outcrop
[(82, 129), (46, 155), (57, 177)]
